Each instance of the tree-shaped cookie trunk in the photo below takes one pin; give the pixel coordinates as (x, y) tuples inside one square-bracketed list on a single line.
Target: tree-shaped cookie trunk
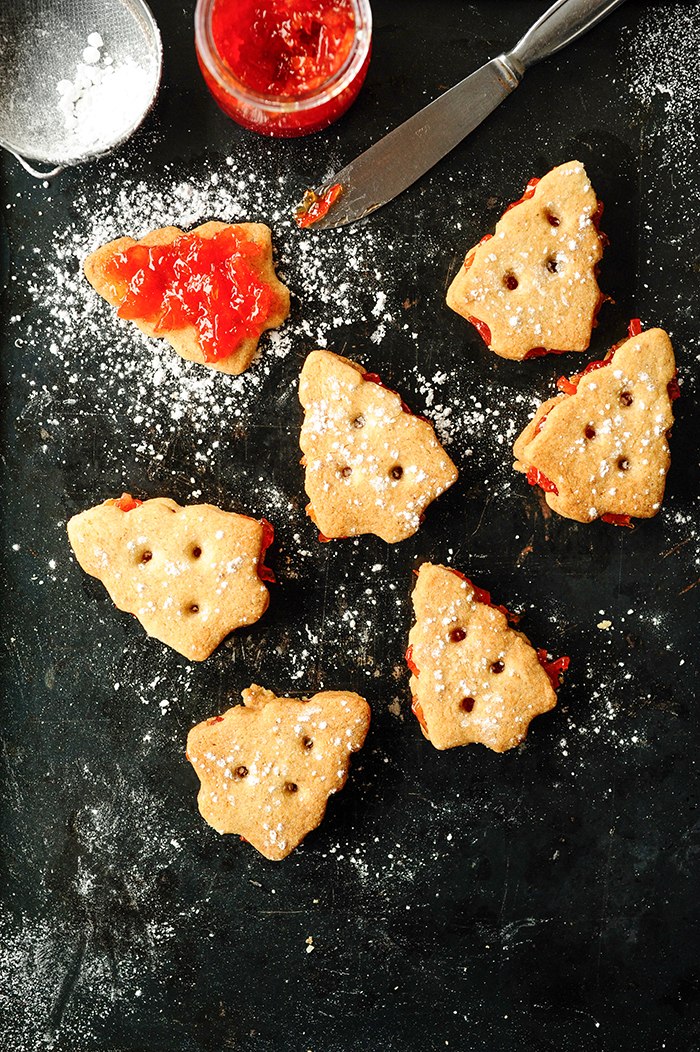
[(190, 575), (474, 678), (267, 767), (600, 450), (531, 288), (371, 465)]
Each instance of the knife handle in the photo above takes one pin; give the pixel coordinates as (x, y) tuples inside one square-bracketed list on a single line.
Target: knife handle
[(563, 22)]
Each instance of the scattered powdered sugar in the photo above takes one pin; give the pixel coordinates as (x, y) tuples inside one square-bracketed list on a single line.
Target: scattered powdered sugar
[(131, 376), (107, 928), (666, 43), (106, 368), (485, 427)]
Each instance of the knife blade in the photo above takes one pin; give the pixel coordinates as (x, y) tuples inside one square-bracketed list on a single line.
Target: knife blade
[(397, 160)]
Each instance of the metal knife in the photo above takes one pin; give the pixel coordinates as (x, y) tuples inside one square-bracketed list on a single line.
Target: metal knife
[(406, 153)]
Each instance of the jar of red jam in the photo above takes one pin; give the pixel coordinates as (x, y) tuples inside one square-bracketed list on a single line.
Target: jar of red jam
[(284, 67)]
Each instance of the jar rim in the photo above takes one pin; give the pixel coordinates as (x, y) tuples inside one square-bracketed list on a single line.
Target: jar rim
[(330, 88)]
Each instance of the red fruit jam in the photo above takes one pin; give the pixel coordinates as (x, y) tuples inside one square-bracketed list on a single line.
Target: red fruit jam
[(268, 536), (125, 503), (375, 378), (313, 207), (570, 385), (417, 711), (529, 192), (617, 520), (283, 67), (411, 663), (208, 282), (482, 328), (554, 668), (536, 478)]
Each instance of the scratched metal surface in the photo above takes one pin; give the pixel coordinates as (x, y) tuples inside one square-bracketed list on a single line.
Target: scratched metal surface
[(537, 900)]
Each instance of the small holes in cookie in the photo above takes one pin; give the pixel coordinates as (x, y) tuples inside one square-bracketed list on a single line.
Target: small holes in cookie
[(467, 704), (497, 666), (552, 265), (241, 772), (510, 281), (623, 464), (290, 787), (552, 219), (193, 608), (457, 635), (146, 556), (397, 472), (358, 422), (307, 744), (589, 432), (626, 397), (196, 552), (345, 472)]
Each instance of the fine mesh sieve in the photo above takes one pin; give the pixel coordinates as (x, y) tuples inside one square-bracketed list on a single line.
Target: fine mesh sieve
[(42, 43)]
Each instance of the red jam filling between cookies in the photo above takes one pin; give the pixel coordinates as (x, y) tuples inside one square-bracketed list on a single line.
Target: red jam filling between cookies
[(529, 192), (410, 662), (617, 520), (374, 378), (553, 669), (125, 503), (268, 536), (417, 711), (484, 597), (482, 328), (570, 385), (209, 283), (536, 478)]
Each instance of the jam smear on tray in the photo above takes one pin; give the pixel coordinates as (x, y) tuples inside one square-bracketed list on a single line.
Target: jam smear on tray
[(313, 207)]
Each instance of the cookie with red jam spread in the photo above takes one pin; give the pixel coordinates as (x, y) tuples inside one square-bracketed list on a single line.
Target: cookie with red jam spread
[(211, 293), (371, 465), (474, 678), (189, 574), (600, 449), (267, 767), (531, 286)]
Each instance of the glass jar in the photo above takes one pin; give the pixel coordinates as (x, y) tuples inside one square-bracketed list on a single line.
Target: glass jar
[(241, 62)]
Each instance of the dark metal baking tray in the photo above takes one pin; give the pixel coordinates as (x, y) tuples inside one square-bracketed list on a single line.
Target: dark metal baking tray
[(541, 899)]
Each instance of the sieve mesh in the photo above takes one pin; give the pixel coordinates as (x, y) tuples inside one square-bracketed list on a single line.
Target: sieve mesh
[(42, 43)]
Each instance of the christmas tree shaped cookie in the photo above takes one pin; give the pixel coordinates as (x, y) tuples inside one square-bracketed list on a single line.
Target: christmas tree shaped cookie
[(267, 767), (371, 465), (210, 293), (474, 679), (531, 286), (600, 449), (190, 575)]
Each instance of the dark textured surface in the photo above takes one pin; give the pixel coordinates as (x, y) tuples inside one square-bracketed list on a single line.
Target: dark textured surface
[(542, 899)]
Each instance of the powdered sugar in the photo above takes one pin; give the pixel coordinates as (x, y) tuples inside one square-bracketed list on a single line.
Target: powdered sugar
[(104, 99), (666, 43), (141, 379)]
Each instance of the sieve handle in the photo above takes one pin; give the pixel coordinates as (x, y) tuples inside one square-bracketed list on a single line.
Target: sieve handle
[(32, 171)]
